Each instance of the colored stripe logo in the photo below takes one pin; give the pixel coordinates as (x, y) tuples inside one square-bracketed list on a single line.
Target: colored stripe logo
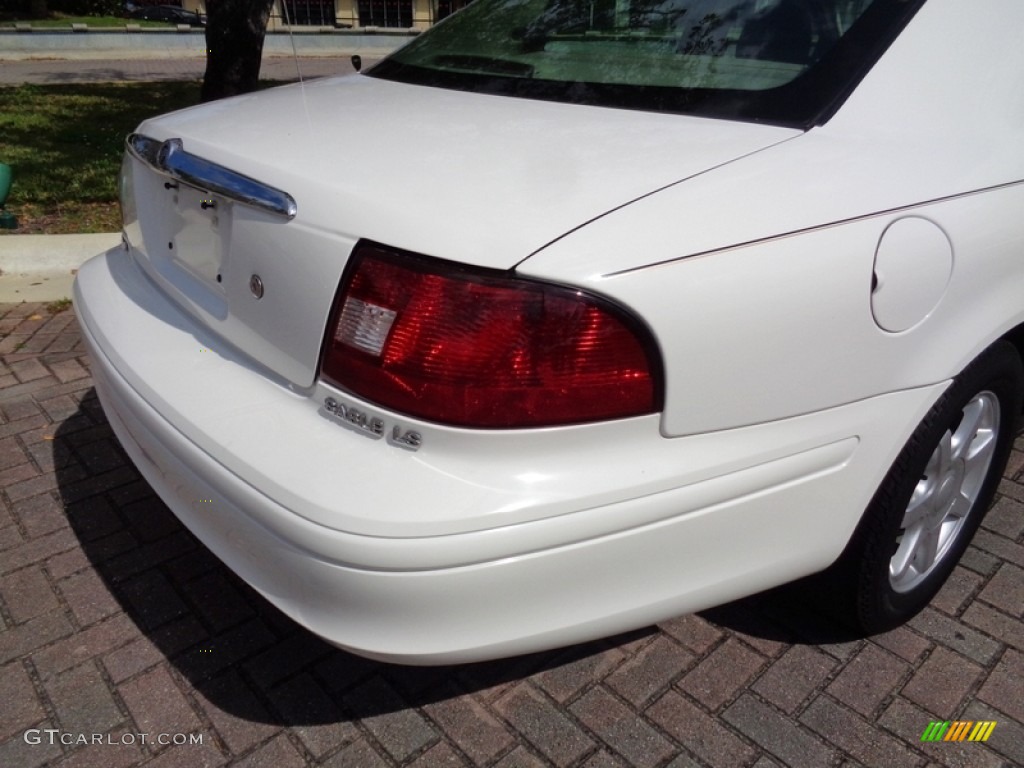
[(959, 730)]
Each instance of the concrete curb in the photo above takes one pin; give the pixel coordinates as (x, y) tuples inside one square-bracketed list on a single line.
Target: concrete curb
[(51, 253), (42, 267)]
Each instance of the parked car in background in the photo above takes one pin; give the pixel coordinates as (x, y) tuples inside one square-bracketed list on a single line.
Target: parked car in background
[(568, 318), (169, 13)]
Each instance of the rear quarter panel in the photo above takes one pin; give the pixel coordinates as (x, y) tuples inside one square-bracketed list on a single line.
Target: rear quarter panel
[(757, 277)]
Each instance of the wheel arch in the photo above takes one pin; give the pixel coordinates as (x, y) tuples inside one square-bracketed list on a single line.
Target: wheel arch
[(846, 582)]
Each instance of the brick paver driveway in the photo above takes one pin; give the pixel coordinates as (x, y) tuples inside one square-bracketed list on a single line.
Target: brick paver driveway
[(121, 632)]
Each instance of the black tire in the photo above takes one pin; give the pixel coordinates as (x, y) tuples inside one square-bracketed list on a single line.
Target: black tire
[(934, 497)]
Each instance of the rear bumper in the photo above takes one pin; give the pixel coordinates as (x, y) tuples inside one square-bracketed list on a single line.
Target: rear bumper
[(451, 561)]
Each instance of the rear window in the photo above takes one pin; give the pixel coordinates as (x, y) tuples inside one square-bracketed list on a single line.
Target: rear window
[(788, 62)]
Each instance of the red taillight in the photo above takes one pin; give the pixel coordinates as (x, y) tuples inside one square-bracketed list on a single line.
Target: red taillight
[(472, 348)]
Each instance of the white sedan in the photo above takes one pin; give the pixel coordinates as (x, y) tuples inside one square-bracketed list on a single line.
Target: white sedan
[(568, 318)]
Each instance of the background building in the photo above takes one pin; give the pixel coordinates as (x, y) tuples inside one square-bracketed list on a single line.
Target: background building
[(383, 14)]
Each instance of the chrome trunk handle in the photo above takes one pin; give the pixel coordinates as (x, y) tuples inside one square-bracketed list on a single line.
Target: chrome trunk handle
[(169, 158)]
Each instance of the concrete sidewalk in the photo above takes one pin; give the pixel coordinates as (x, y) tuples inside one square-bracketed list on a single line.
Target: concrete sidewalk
[(43, 267), (112, 43)]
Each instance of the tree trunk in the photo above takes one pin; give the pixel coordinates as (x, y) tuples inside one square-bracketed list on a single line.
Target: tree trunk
[(234, 46)]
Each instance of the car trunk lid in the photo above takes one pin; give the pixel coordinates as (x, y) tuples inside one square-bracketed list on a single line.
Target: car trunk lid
[(483, 180)]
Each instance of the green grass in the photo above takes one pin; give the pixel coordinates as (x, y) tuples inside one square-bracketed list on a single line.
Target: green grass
[(58, 306), (60, 21), (64, 145)]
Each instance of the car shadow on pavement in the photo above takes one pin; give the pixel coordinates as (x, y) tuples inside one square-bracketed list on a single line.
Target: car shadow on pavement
[(237, 651), (244, 657), (794, 614)]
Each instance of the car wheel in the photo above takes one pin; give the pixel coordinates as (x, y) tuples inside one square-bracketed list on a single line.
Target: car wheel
[(934, 497)]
